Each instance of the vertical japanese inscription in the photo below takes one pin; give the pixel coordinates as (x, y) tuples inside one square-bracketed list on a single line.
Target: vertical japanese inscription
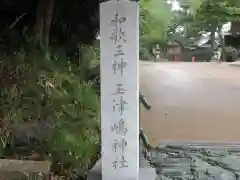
[(118, 37), (119, 144)]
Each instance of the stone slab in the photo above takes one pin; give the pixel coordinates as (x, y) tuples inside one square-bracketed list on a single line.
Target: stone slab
[(198, 160), (25, 165), (17, 169)]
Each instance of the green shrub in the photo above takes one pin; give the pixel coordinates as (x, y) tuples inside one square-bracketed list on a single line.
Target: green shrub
[(231, 53), (75, 138), (144, 54), (42, 91)]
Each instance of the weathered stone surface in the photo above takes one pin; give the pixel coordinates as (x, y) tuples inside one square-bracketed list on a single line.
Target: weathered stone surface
[(16, 169), (197, 161)]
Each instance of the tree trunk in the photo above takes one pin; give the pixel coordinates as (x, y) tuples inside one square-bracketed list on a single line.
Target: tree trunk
[(44, 20), (185, 31), (222, 57), (212, 39), (213, 31)]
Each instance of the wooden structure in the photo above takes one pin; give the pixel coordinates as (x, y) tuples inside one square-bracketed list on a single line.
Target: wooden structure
[(232, 41), (174, 50), (235, 28)]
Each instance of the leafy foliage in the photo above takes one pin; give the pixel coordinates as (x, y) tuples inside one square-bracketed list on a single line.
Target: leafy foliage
[(77, 21), (49, 102), (212, 12), (155, 16), (66, 29), (50, 96), (207, 14)]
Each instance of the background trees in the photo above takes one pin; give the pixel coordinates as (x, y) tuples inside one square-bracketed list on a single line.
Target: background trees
[(155, 17), (57, 21), (207, 16)]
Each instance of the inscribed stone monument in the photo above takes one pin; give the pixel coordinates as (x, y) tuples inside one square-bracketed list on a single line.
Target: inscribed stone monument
[(119, 42)]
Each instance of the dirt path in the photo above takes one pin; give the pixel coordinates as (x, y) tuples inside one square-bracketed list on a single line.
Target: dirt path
[(191, 101)]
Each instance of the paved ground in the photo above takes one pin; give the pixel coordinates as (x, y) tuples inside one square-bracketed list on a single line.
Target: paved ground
[(191, 101)]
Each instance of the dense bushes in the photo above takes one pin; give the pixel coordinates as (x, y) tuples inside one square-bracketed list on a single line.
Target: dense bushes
[(231, 54), (144, 54), (47, 107)]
